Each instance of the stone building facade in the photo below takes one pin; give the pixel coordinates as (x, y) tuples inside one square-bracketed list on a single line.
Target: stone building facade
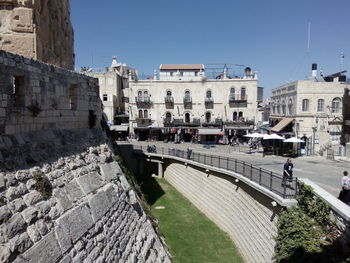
[(37, 96), (185, 104), (311, 108), (41, 30)]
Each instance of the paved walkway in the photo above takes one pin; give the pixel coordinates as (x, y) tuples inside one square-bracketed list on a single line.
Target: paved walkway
[(325, 173)]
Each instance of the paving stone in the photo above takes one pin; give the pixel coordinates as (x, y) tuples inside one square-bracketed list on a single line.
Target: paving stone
[(15, 225), (5, 214), (90, 182)]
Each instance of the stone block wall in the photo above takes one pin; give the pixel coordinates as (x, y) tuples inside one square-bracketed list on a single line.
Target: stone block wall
[(246, 215), (35, 96), (90, 215), (38, 29)]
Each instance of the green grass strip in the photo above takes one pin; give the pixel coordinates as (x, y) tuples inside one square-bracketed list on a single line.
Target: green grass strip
[(190, 235)]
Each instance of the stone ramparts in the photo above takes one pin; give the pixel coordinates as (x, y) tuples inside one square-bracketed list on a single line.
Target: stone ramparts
[(35, 96), (86, 211)]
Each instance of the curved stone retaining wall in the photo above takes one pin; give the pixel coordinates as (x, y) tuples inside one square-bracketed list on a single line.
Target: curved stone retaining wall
[(245, 214), (92, 214)]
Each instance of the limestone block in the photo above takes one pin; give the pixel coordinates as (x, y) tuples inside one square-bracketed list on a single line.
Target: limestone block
[(5, 214), (90, 182), (18, 205), (74, 191), (99, 204), (47, 250), (30, 214), (18, 44), (14, 192), (125, 183), (41, 226), (32, 198), (62, 199), (73, 225), (20, 243), (110, 171), (15, 225), (5, 252), (22, 20), (66, 259), (33, 233)]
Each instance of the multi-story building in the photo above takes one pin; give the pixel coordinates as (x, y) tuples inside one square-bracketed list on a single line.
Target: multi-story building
[(311, 108), (113, 81), (183, 104)]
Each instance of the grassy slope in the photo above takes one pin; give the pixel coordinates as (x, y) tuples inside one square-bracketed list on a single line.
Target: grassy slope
[(190, 235)]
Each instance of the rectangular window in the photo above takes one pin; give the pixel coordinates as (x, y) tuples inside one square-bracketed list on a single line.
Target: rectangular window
[(18, 91), (171, 74), (105, 97), (196, 73), (73, 96), (181, 74)]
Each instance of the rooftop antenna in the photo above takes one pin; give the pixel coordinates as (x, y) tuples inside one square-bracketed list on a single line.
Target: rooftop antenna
[(308, 38), (342, 56)]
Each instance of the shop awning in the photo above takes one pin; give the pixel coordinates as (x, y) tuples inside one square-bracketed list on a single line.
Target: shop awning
[(210, 132), (283, 123), (119, 128)]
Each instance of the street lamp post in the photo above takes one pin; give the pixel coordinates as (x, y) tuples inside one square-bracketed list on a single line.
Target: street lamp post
[(314, 129)]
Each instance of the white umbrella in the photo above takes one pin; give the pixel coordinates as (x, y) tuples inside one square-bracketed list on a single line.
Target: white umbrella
[(254, 135), (293, 139), (273, 136)]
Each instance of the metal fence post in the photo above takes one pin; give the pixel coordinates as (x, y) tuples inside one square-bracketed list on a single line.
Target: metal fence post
[(251, 171), (243, 168), (211, 160), (260, 176), (271, 181)]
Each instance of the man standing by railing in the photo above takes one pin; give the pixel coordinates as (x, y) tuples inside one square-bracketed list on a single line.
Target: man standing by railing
[(189, 152), (287, 172)]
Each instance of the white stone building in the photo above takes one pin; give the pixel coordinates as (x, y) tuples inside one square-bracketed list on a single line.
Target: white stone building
[(311, 108), (183, 104), (113, 81)]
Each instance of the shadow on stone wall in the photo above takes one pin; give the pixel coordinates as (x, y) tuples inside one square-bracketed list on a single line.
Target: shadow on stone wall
[(31, 149)]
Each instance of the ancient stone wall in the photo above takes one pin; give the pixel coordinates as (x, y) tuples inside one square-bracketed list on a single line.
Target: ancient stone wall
[(86, 210), (38, 29), (35, 96), (245, 214)]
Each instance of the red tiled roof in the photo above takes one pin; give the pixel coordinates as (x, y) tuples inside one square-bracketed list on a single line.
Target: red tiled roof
[(181, 66)]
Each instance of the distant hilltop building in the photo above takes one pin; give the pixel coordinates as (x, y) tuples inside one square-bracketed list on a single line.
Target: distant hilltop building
[(40, 30)]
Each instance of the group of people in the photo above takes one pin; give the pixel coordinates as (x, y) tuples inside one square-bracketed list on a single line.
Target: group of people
[(344, 194)]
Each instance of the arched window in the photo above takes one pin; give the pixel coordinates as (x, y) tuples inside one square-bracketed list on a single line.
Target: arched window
[(232, 91), (208, 117), (278, 107), (243, 93), (274, 109), (140, 114), (320, 105), (235, 116), (145, 94), (168, 117), (208, 93), (240, 115), (290, 104), (283, 108), (168, 93), (145, 114), (187, 117), (305, 105), (336, 105), (139, 94), (187, 96)]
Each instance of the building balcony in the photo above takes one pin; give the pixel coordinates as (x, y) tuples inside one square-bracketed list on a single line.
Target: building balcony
[(143, 122), (181, 123), (169, 99), (216, 123), (239, 123), (237, 98), (143, 102), (188, 102)]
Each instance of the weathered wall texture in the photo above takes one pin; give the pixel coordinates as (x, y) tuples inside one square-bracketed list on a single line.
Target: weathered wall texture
[(246, 215), (38, 29), (92, 215), (64, 98)]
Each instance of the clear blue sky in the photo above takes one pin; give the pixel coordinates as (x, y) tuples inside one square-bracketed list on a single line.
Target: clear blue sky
[(270, 36)]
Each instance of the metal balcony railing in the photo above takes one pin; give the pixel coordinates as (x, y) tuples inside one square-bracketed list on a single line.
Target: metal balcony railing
[(169, 99), (286, 188), (236, 97), (142, 99)]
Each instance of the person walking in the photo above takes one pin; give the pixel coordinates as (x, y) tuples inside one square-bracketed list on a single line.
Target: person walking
[(287, 172), (344, 194)]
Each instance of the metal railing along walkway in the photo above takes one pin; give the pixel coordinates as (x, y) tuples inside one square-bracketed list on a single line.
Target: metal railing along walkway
[(268, 179)]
